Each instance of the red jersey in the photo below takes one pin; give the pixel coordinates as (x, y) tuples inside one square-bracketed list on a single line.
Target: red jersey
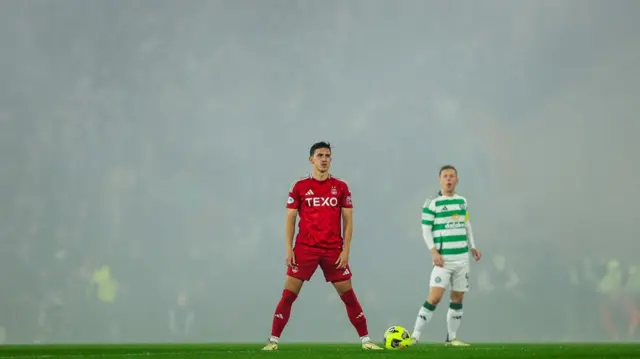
[(319, 205)]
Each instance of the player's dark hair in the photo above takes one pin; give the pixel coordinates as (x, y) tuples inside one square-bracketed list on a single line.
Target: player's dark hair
[(317, 146), (447, 167)]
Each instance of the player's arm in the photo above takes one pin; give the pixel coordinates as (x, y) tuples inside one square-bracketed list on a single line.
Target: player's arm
[(293, 203), (428, 216), (467, 224), (470, 241), (290, 227), (347, 227), (346, 204)]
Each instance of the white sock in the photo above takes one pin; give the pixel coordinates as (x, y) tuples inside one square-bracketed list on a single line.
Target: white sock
[(424, 316), (454, 316), (365, 339), (274, 339)]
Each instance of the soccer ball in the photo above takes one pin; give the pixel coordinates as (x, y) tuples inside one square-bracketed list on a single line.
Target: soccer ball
[(396, 337)]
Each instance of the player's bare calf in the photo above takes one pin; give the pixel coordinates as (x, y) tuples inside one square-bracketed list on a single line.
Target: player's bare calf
[(343, 286)]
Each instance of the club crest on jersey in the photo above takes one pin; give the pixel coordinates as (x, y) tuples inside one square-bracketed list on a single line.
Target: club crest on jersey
[(455, 217), (463, 206), (334, 191)]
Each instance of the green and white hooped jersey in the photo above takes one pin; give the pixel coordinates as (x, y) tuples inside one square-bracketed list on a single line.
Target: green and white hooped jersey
[(448, 217)]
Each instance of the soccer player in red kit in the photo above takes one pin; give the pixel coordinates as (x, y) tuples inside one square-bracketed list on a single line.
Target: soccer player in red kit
[(324, 205)]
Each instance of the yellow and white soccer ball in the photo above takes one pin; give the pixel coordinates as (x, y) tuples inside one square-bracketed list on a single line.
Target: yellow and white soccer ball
[(396, 338)]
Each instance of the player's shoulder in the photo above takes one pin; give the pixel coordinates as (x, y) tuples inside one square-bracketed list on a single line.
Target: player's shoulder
[(431, 199), (459, 196), (465, 203), (339, 180), (300, 181)]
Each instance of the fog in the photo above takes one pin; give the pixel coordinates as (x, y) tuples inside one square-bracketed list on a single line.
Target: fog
[(160, 138)]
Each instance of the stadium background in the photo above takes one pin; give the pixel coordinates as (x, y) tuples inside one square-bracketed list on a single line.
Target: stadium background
[(159, 139)]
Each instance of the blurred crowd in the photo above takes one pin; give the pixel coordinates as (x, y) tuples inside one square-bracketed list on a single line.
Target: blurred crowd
[(62, 295), (147, 151), (581, 298), (125, 255), (109, 239)]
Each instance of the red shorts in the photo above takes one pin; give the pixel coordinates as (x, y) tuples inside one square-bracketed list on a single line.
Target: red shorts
[(309, 258)]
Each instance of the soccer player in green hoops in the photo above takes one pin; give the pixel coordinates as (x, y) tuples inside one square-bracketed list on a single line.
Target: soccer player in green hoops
[(447, 231)]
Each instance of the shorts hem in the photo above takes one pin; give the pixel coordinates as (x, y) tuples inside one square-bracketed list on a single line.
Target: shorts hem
[(460, 291), (297, 277), (337, 280)]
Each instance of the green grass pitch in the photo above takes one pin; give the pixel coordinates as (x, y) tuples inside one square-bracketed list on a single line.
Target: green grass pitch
[(313, 351)]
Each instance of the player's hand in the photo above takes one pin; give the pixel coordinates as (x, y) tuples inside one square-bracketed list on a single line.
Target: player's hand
[(343, 260), (438, 261), (476, 254), (291, 259)]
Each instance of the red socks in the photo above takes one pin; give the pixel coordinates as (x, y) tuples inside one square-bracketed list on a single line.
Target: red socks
[(355, 313), (282, 313)]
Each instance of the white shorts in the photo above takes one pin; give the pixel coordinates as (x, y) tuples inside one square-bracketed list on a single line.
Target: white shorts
[(454, 275)]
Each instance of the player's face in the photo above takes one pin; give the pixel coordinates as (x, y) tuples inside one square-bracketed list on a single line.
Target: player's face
[(321, 159), (448, 180)]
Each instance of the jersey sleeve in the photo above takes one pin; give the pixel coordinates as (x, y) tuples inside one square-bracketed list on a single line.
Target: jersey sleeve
[(293, 199), (428, 216), (467, 225), (345, 200), (466, 208), (428, 212)]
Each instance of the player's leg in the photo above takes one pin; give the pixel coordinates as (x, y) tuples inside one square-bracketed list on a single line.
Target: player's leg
[(454, 317), (633, 315), (292, 287), (438, 283), (307, 264), (459, 286), (341, 280), (354, 312), (607, 307)]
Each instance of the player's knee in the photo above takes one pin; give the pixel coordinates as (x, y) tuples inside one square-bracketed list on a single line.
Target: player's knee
[(293, 284), (435, 295), (343, 286), (457, 297)]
